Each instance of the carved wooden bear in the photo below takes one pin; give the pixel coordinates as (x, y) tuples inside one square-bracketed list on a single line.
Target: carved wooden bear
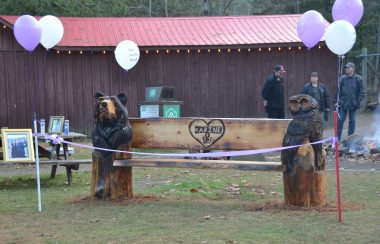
[(112, 128), (112, 131)]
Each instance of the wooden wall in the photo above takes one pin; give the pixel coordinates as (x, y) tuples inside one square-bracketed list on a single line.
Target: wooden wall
[(216, 84)]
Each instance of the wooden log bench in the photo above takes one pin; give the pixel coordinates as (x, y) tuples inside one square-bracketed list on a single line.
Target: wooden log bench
[(69, 164), (112, 176), (189, 134)]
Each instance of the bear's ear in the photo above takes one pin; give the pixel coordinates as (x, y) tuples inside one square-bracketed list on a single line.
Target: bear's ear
[(99, 94), (123, 98)]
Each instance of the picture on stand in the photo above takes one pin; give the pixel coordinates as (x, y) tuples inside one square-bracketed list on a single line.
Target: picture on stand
[(56, 124), (17, 145)]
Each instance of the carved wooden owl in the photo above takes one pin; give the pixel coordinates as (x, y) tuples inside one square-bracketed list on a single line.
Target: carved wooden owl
[(305, 127)]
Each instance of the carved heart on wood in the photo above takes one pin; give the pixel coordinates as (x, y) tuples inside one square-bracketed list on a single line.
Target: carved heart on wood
[(207, 133)]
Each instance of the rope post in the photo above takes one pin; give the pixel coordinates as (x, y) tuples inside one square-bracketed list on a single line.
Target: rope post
[(337, 166), (37, 164)]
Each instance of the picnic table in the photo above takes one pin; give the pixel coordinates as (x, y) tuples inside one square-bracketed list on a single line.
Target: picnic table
[(53, 154)]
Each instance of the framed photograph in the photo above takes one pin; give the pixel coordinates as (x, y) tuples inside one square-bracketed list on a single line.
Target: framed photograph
[(56, 124), (17, 145)]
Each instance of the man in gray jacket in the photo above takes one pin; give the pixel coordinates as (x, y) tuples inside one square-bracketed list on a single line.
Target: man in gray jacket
[(350, 93)]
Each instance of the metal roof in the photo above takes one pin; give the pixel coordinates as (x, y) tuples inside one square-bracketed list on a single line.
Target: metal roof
[(177, 31)]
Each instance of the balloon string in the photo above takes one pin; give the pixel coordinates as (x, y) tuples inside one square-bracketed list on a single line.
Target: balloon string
[(31, 77), (340, 72), (44, 72), (308, 61)]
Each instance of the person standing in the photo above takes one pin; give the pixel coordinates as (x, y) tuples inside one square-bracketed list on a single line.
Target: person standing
[(273, 93), (350, 93), (319, 92)]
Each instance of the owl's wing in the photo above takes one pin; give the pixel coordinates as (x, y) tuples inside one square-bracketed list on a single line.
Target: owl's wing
[(295, 135), (316, 134)]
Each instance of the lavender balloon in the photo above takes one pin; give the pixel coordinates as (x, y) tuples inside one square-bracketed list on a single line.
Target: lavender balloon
[(349, 10), (28, 32), (310, 28)]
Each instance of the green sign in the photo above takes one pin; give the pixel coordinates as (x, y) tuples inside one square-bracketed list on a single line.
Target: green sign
[(152, 93), (171, 111)]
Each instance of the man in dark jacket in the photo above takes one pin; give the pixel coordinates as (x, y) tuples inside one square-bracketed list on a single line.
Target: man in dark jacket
[(273, 93), (350, 93), (319, 92)]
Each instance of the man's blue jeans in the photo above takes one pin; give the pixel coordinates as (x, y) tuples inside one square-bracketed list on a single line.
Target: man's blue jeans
[(342, 114)]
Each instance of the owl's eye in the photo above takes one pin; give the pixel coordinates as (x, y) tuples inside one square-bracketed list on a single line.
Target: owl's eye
[(294, 105), (304, 103)]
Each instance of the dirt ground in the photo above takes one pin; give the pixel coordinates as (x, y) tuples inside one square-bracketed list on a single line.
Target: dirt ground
[(365, 125)]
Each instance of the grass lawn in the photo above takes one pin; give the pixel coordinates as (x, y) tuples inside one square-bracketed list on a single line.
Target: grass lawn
[(187, 206)]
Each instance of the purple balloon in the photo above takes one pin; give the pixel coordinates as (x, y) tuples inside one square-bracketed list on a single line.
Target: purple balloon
[(310, 28), (28, 32), (349, 10)]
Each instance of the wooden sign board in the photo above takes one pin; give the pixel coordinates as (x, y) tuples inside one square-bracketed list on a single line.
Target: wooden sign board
[(208, 133)]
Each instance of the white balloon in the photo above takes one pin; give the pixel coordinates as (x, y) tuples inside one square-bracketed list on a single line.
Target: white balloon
[(52, 31), (340, 37), (127, 54)]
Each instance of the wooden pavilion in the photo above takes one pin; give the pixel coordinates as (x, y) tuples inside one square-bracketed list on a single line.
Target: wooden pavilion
[(217, 65)]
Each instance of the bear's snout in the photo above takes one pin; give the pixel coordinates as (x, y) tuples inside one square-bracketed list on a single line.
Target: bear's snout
[(107, 105)]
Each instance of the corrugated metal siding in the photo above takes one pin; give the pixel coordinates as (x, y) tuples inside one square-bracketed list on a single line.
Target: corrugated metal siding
[(225, 84)]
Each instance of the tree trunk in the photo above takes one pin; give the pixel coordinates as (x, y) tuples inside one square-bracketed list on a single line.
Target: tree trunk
[(109, 182), (307, 187)]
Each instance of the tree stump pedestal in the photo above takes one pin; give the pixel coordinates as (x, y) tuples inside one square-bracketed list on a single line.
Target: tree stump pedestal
[(307, 187), (109, 182)]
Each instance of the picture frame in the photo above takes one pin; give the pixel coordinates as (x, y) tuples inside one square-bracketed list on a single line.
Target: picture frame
[(56, 124), (17, 145)]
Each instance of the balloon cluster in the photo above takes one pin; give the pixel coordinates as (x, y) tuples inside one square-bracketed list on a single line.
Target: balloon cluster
[(48, 31), (340, 36), (29, 32)]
